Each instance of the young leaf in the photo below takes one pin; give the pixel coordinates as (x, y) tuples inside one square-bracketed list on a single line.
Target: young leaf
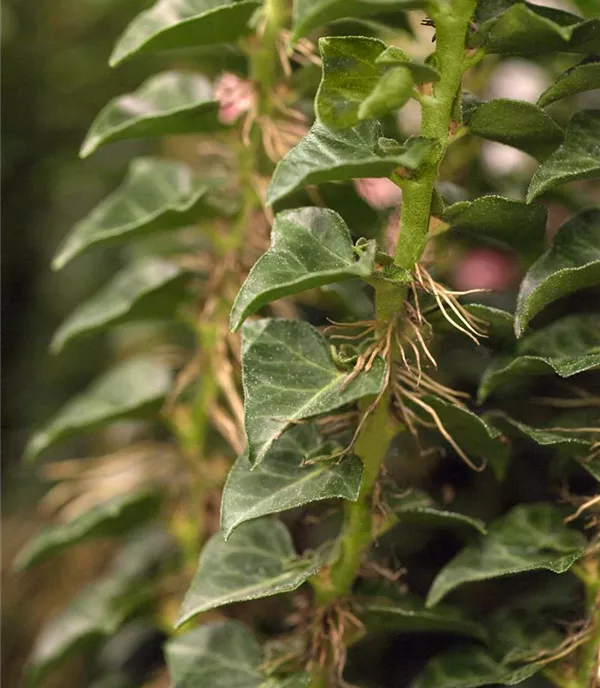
[(526, 29), (324, 155), (156, 195), (567, 347), (310, 247), (166, 104), (584, 76), (282, 482), (312, 14), (516, 123), (288, 375), (471, 667), (258, 560), (519, 225), (133, 389), (220, 654), (113, 517), (364, 79), (149, 289), (171, 24), (527, 538), (100, 609), (577, 158), (408, 614), (572, 263)]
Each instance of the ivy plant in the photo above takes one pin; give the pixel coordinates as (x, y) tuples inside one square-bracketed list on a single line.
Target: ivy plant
[(407, 470)]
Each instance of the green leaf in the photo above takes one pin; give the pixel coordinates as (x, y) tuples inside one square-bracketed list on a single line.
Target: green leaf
[(324, 155), (113, 517), (416, 506), (310, 247), (471, 667), (572, 263), (540, 436), (525, 29), (258, 560), (288, 375), (566, 347), (167, 104), (156, 195), (408, 614), (146, 290), (312, 14), (132, 389), (219, 654), (584, 76), (591, 465), (171, 24), (364, 79), (516, 123), (528, 538), (577, 158), (100, 609), (519, 225), (282, 482)]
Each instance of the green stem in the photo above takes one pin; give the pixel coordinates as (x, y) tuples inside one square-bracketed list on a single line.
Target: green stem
[(452, 21), (265, 57), (591, 650)]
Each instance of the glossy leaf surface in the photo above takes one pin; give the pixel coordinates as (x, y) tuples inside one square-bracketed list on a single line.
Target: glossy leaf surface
[(282, 482), (113, 517), (324, 155), (156, 195), (529, 537), (132, 389), (518, 124), (149, 289), (572, 263), (258, 560), (577, 158), (310, 247), (584, 76), (171, 24), (289, 375)]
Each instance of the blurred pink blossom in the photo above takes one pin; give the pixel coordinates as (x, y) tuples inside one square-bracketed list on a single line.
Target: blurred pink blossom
[(379, 193), (235, 96), (485, 268)]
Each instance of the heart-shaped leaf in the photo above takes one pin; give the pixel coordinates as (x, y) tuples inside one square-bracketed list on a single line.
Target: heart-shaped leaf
[(584, 76), (156, 195), (408, 614), (282, 482), (258, 560), (520, 28), (312, 14), (149, 289), (572, 263), (167, 104), (519, 225), (471, 667), (113, 517), (528, 538), (288, 375), (310, 247), (516, 123), (577, 158), (364, 79), (133, 389), (567, 347), (171, 24), (100, 609), (324, 155)]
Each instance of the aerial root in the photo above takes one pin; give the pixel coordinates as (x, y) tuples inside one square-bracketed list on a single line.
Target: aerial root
[(583, 507)]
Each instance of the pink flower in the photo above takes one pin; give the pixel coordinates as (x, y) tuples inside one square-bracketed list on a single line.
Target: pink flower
[(235, 96), (379, 193), (485, 268)]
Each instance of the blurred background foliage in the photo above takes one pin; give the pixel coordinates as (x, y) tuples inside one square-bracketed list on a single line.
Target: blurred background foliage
[(55, 80)]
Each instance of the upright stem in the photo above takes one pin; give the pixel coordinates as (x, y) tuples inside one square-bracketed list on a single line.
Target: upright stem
[(452, 19)]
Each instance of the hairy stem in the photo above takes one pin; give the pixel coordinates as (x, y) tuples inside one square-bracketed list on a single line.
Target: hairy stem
[(452, 21)]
